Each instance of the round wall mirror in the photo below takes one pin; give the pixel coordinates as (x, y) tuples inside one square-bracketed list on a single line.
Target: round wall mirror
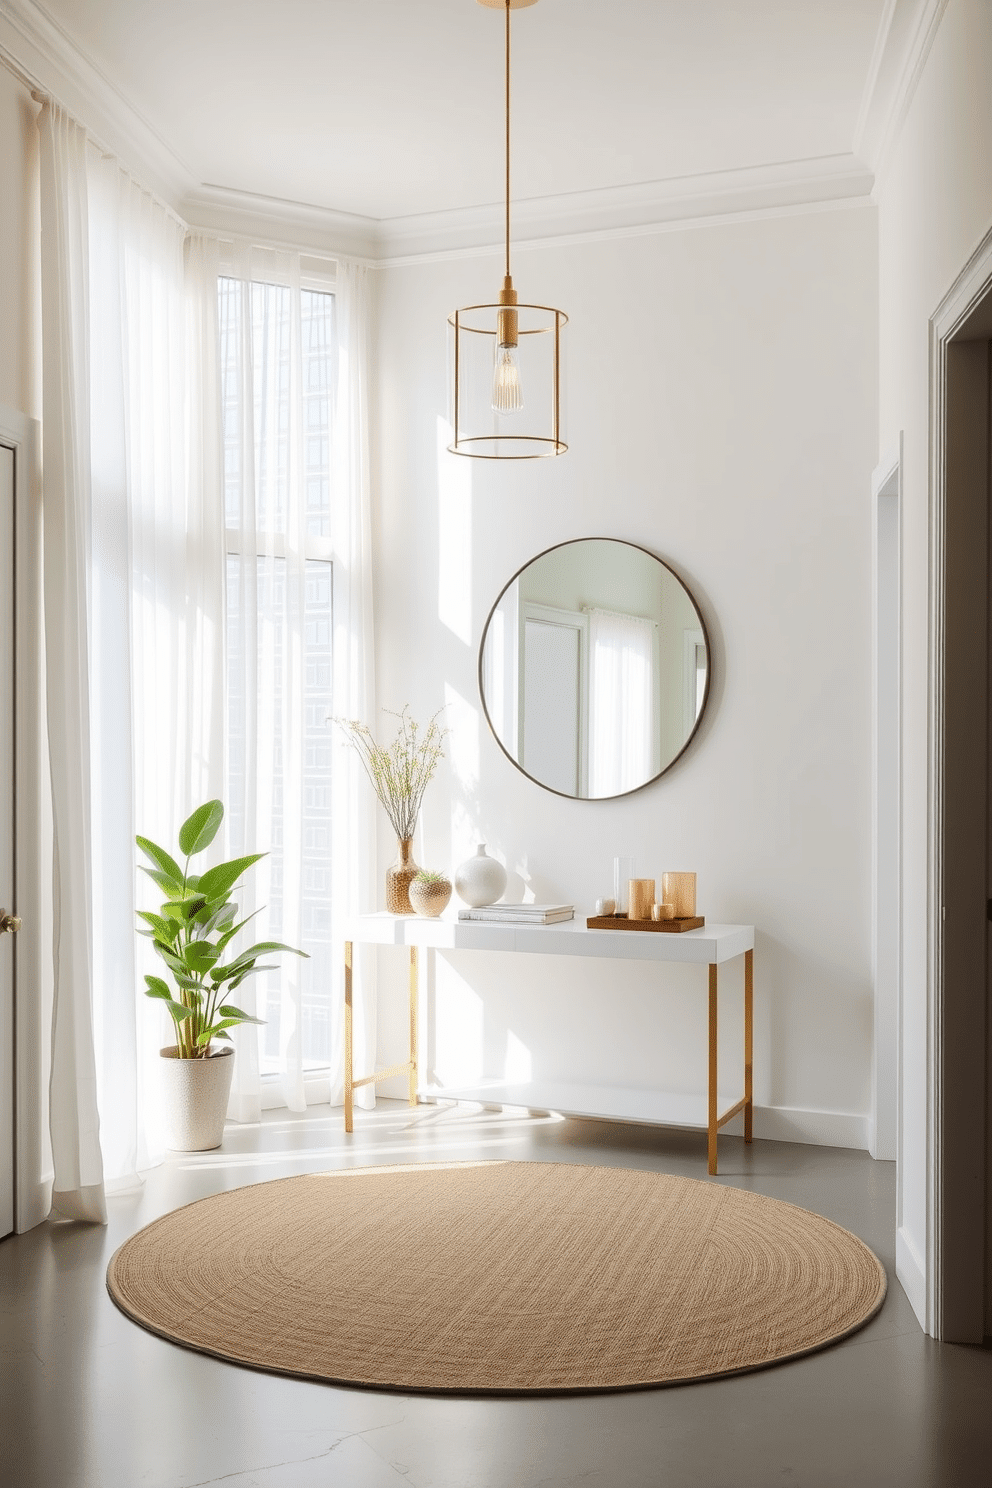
[(594, 668)]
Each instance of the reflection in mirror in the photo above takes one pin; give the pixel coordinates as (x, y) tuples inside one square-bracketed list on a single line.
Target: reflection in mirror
[(594, 668)]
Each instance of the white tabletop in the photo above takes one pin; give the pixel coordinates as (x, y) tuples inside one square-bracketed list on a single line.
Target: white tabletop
[(710, 945)]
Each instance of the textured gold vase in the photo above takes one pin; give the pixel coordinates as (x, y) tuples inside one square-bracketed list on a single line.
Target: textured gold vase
[(430, 899), (399, 877)]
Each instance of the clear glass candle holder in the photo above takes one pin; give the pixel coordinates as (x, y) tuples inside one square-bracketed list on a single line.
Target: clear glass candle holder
[(623, 872)]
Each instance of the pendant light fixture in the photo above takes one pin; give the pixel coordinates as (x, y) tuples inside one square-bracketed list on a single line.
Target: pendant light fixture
[(506, 357)]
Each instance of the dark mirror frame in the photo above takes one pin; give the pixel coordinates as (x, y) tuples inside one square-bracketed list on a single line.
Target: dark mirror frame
[(638, 547)]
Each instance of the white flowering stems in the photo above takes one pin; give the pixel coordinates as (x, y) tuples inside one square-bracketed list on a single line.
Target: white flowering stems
[(400, 771), (196, 925)]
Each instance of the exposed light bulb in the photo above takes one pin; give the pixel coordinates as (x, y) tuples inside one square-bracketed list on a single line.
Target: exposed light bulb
[(507, 397)]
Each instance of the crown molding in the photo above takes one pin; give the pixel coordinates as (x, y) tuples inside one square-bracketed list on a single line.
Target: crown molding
[(56, 66), (225, 212), (619, 211), (906, 33), (622, 211), (47, 54)]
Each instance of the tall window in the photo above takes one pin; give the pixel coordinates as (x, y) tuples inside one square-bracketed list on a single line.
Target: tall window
[(277, 368)]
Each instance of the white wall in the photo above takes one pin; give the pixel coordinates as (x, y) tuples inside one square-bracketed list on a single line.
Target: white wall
[(722, 396), (935, 206)]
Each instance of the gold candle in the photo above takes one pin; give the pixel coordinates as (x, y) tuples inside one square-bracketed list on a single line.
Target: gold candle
[(640, 897), (663, 911), (680, 889)]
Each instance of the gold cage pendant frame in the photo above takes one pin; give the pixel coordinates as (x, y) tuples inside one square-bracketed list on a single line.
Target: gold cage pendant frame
[(533, 432), (509, 409)]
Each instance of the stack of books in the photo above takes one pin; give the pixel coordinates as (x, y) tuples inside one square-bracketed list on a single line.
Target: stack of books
[(520, 914)]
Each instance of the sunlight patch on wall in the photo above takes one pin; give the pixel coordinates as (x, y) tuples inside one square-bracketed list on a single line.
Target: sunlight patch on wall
[(462, 718), (454, 537)]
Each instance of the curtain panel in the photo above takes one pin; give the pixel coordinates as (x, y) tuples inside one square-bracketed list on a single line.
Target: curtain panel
[(137, 621), (293, 353), (623, 741)]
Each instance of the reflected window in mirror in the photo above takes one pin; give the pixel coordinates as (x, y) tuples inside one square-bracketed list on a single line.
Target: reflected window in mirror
[(594, 668)]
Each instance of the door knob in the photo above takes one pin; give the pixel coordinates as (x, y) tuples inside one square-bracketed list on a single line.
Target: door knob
[(9, 923)]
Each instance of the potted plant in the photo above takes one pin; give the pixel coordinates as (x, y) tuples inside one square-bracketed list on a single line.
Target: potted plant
[(192, 933), (400, 773), (430, 892)]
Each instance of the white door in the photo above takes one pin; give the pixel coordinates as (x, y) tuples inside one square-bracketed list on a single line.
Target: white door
[(6, 838), (552, 691)]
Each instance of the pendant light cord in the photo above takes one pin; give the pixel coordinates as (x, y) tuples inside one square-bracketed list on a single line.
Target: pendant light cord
[(507, 139)]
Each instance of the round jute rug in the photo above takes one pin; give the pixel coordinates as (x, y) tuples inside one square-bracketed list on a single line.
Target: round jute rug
[(497, 1276)]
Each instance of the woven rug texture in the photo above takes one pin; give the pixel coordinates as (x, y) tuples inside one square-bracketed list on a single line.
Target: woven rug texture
[(497, 1277)]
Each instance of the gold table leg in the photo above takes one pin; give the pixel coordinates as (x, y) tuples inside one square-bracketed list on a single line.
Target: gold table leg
[(711, 1087), (349, 1097), (748, 1045), (413, 1024)]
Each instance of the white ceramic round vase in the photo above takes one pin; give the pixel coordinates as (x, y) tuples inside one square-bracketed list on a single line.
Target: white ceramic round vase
[(194, 1099), (480, 880)]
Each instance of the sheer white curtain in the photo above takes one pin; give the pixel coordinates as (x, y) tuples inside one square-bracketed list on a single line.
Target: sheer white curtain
[(73, 1108), (622, 703), (353, 888), (153, 421), (134, 604), (299, 645)]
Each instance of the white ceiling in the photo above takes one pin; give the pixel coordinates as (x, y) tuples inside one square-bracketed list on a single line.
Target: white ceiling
[(388, 109)]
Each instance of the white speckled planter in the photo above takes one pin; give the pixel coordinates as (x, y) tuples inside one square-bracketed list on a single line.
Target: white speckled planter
[(194, 1098)]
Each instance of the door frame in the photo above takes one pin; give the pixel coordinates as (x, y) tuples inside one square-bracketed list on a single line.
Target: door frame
[(32, 979), (886, 542), (957, 857)]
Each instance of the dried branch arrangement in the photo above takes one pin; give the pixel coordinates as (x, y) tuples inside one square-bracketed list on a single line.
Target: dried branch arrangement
[(401, 771)]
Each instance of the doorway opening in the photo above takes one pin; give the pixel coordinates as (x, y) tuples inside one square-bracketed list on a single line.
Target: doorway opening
[(960, 889)]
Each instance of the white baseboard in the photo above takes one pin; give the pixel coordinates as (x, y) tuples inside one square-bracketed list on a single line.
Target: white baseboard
[(795, 1124), (911, 1273), (771, 1123)]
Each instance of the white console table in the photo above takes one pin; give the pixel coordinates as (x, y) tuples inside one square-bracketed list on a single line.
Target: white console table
[(710, 946)]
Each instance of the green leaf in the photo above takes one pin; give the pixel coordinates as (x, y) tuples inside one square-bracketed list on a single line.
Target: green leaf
[(247, 971), (168, 885), (175, 894), (215, 915), (215, 1032), (160, 925), (218, 882), (219, 1033), (228, 1010), (179, 970), (229, 935), (200, 829), (263, 947), (200, 956), (157, 988), (161, 858), (178, 1010)]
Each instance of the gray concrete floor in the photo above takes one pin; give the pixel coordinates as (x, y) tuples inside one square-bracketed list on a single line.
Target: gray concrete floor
[(89, 1400)]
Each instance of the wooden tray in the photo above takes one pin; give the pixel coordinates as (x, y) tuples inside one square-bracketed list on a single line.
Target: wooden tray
[(621, 922)]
